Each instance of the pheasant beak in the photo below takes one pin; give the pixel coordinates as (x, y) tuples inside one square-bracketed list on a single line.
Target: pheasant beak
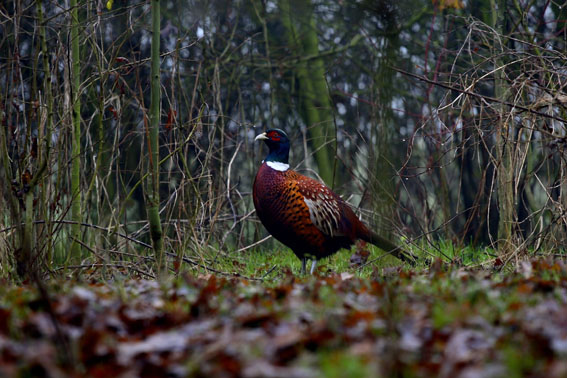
[(262, 136)]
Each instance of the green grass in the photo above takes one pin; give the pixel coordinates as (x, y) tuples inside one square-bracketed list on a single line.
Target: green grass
[(257, 262), (272, 261)]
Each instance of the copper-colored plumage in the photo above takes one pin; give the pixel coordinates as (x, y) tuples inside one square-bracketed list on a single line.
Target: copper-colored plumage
[(301, 212)]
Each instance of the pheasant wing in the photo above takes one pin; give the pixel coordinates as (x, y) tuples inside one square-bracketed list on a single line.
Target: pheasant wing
[(325, 208)]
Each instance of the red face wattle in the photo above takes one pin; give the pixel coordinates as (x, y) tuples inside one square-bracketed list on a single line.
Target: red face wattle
[(274, 135)]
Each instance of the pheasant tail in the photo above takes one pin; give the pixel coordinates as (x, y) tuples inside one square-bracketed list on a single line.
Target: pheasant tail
[(389, 247)]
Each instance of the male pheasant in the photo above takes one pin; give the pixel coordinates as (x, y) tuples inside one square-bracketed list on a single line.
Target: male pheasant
[(304, 214)]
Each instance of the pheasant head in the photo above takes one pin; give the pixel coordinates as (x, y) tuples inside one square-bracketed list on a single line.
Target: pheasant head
[(278, 145)]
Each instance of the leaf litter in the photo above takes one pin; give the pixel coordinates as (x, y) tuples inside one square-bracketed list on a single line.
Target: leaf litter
[(447, 322)]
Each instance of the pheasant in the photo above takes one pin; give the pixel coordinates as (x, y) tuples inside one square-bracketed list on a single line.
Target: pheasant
[(303, 213)]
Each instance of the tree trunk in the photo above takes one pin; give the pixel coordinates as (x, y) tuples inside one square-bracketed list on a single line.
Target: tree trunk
[(153, 146), (76, 132), (313, 94), (382, 158), (44, 137), (504, 136)]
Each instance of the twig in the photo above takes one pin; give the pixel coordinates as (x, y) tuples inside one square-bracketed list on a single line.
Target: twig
[(238, 275), (84, 225), (98, 265), (483, 97), (88, 248), (253, 244), (269, 271), (235, 221)]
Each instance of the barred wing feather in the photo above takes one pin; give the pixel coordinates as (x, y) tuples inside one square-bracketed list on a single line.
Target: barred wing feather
[(324, 206)]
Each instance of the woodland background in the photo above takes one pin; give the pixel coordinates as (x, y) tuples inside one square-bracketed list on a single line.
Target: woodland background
[(439, 121), (127, 154)]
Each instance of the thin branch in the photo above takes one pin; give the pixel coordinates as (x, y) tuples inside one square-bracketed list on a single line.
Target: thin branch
[(482, 97)]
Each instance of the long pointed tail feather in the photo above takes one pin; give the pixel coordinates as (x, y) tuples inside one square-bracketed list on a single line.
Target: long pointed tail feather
[(389, 247)]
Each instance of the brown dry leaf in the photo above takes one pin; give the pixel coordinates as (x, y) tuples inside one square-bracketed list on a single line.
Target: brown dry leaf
[(444, 322), (263, 369), (346, 276), (360, 256)]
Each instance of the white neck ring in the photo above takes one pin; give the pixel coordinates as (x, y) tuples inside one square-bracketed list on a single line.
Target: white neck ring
[(282, 167)]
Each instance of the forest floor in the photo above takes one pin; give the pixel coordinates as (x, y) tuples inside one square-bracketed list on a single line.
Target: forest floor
[(440, 321)]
